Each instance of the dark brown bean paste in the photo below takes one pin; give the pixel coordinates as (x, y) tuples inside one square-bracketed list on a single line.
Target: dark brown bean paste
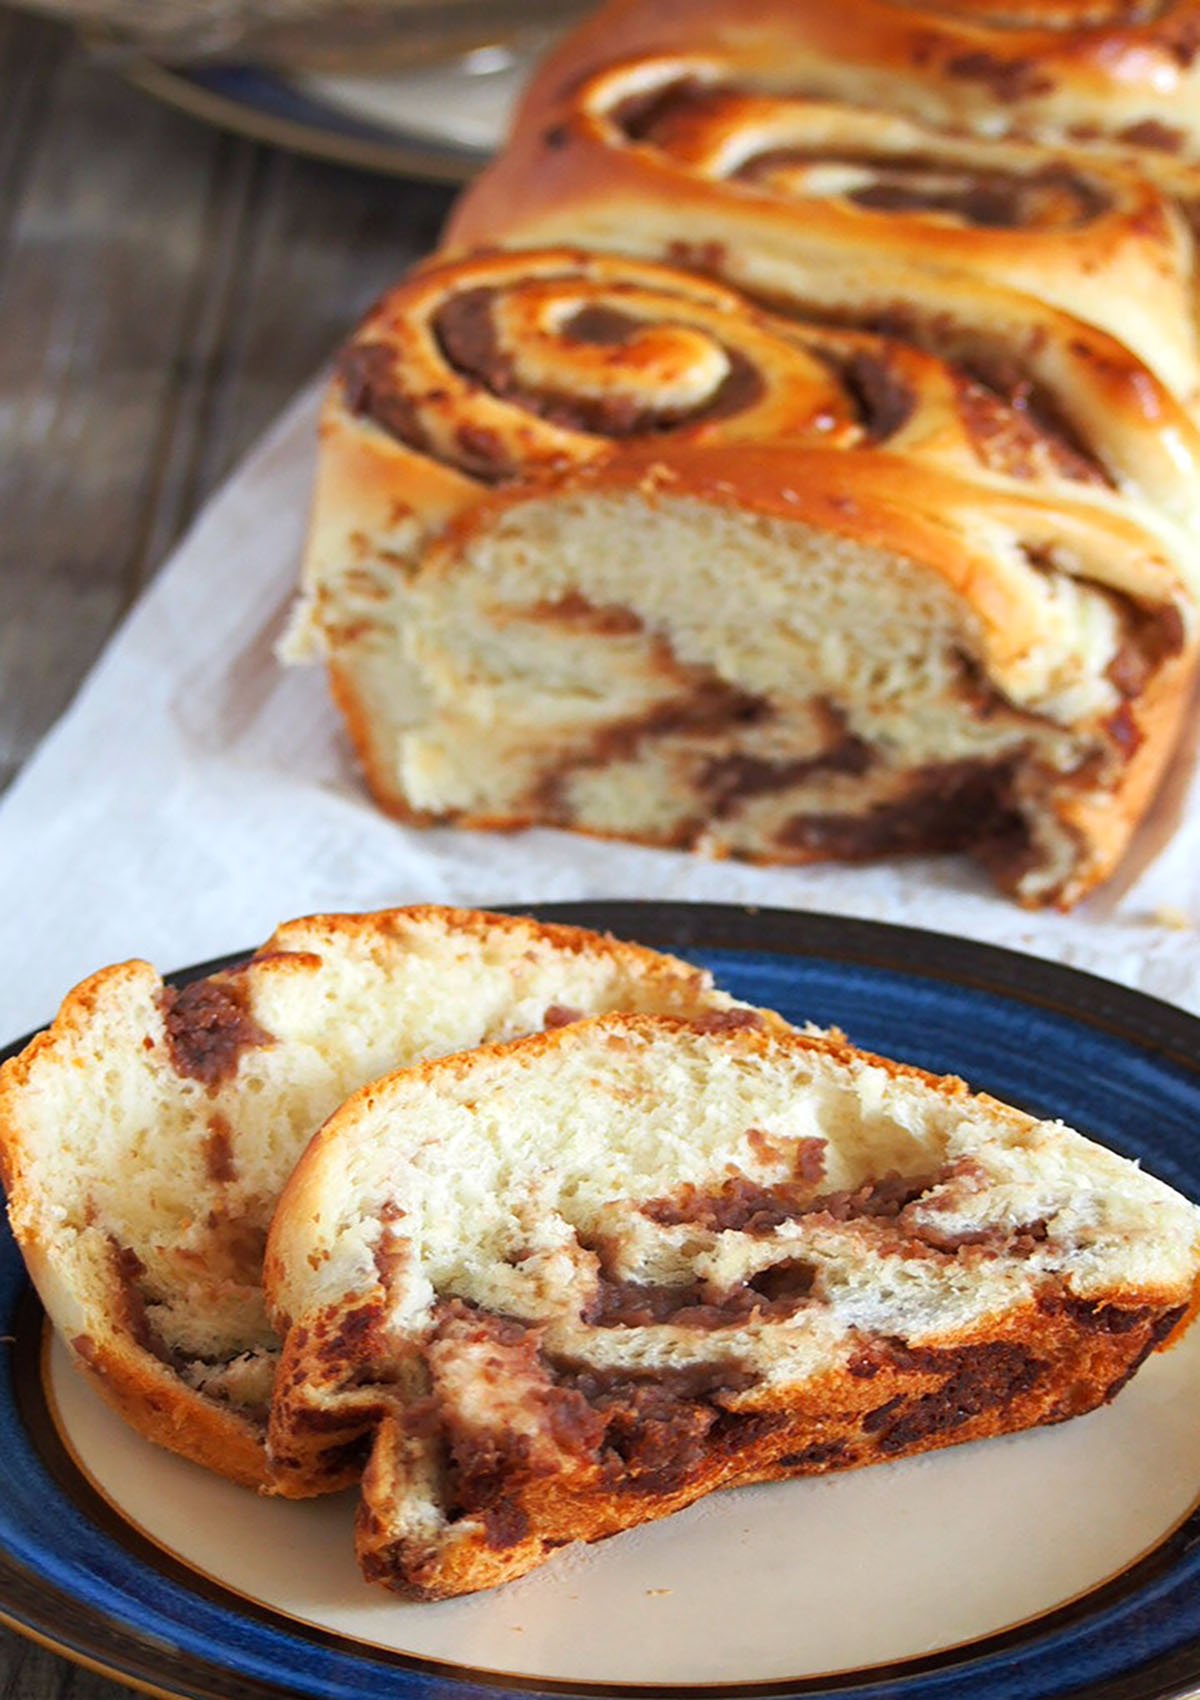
[(948, 806), (208, 1027), (741, 1205), (466, 331)]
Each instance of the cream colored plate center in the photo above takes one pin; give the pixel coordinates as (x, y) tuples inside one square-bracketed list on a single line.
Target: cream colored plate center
[(793, 1580)]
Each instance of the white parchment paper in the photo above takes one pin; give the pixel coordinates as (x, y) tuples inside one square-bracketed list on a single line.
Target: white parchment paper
[(196, 793)]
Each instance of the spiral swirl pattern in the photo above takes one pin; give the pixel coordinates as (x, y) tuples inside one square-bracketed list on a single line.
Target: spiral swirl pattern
[(513, 363), (511, 366), (1107, 79), (801, 149), (893, 548), (708, 159)]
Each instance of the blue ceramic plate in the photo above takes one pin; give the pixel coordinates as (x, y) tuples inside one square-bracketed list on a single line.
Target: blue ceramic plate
[(1064, 1563)]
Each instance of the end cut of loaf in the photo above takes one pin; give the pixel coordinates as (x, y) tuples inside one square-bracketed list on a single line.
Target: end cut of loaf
[(146, 1136), (564, 1287), (597, 545)]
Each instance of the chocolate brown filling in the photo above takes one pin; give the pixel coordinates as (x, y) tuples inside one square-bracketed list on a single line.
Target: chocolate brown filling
[(1040, 416), (963, 805), (643, 117), (706, 705), (1049, 199), (740, 1205), (1006, 79), (599, 326), (1015, 425), (1151, 133), (208, 1027), (650, 1432), (730, 780), (990, 369), (219, 1163), (769, 1296), (647, 1431), (485, 1467), (657, 1431), (393, 1251), (671, 117), (885, 402), (130, 1274), (367, 371), (1052, 198), (466, 332), (560, 1015), (1008, 437), (1152, 636), (728, 1021), (977, 1379), (708, 258)]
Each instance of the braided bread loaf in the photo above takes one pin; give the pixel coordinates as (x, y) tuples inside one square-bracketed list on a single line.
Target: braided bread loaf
[(572, 1284), (145, 1138), (711, 159), (598, 545), (868, 580)]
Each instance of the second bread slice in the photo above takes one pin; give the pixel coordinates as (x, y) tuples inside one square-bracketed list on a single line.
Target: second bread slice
[(571, 1285)]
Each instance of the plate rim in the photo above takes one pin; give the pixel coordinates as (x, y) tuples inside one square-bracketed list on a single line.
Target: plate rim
[(1167, 1032), (351, 143)]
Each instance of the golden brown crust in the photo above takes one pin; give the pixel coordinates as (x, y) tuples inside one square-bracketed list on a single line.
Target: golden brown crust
[(126, 1374), (1045, 1363), (1111, 77), (146, 1395), (422, 409), (990, 184)]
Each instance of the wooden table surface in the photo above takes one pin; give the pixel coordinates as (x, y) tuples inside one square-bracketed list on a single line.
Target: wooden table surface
[(164, 289)]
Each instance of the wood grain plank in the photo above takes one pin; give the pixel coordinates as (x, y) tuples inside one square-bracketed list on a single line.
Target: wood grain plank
[(28, 1672), (164, 290), (105, 238), (30, 55), (315, 246)]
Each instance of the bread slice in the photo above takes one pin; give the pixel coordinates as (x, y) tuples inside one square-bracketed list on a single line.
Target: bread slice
[(573, 1284), (145, 1138)]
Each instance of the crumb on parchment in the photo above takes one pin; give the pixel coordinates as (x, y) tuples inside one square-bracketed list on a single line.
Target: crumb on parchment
[(1175, 920)]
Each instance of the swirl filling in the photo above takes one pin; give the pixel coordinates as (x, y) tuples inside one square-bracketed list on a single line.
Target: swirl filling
[(606, 371), (783, 146), (522, 365), (509, 373)]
